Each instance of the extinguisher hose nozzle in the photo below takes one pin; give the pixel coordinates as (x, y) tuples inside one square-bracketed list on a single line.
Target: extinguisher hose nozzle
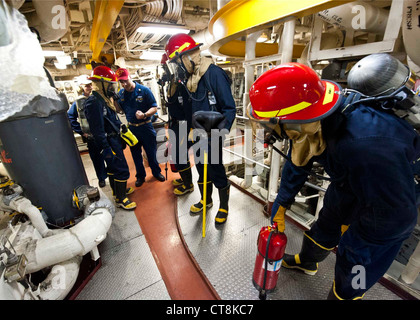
[(262, 293)]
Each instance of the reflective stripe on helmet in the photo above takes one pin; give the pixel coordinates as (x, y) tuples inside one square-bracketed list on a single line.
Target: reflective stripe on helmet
[(100, 77), (329, 93), (277, 113), (185, 45)]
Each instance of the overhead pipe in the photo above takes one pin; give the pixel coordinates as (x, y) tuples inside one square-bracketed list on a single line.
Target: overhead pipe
[(52, 19), (106, 12), (205, 36), (411, 30), (374, 19)]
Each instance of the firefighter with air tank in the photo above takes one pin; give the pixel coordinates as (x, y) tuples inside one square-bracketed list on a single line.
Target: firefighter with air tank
[(366, 149)]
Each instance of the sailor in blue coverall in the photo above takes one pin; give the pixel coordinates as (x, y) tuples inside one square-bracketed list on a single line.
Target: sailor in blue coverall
[(214, 93), (94, 152), (139, 105), (372, 191), (105, 125), (370, 206), (369, 153), (179, 108), (209, 88)]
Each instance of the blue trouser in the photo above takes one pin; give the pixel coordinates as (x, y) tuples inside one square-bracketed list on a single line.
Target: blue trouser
[(146, 136), (216, 172), (97, 159), (179, 145), (117, 165), (369, 246)]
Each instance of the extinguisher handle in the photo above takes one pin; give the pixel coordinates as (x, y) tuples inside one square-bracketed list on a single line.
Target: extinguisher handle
[(274, 227)]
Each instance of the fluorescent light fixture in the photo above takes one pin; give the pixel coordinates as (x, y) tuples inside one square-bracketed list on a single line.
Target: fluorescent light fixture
[(53, 53), (60, 66), (161, 30), (152, 55), (64, 59)]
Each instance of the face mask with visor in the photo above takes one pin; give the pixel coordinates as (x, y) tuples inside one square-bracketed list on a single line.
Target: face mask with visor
[(267, 130), (177, 70)]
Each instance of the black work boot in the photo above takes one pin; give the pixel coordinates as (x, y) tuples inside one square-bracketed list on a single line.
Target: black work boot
[(112, 185), (139, 182), (198, 207), (187, 184), (222, 214), (308, 258), (121, 199), (177, 182)]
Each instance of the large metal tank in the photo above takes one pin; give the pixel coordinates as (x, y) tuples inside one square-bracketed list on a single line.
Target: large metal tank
[(41, 155)]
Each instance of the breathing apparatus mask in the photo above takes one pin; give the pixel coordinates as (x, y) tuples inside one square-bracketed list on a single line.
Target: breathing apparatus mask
[(109, 89), (178, 70), (307, 139), (265, 130), (167, 76)]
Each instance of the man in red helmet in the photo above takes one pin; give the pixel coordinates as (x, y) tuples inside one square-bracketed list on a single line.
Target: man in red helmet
[(209, 89), (179, 106), (369, 208), (105, 125), (139, 105)]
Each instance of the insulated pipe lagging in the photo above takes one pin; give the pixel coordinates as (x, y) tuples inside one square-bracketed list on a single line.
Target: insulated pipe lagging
[(24, 205), (358, 15), (76, 241), (60, 280)]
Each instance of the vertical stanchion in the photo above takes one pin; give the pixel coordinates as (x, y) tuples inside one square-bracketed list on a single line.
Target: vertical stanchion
[(205, 194)]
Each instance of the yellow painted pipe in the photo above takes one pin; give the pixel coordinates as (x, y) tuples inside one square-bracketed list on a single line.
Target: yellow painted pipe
[(106, 12), (236, 48), (239, 18)]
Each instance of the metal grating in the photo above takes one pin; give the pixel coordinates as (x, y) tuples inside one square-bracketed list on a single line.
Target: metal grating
[(128, 269), (227, 253)]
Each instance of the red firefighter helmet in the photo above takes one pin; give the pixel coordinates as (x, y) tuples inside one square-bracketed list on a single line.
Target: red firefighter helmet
[(180, 43), (164, 59), (293, 93), (103, 73)]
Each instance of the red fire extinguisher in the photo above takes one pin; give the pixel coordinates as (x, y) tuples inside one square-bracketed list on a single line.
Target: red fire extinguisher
[(271, 246)]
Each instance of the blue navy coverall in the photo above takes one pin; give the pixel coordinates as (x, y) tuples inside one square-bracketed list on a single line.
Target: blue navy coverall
[(214, 80), (179, 108), (107, 139), (372, 191), (94, 151), (141, 99)]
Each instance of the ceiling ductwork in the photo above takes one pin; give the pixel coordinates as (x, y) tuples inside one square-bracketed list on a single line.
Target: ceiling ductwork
[(50, 18)]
